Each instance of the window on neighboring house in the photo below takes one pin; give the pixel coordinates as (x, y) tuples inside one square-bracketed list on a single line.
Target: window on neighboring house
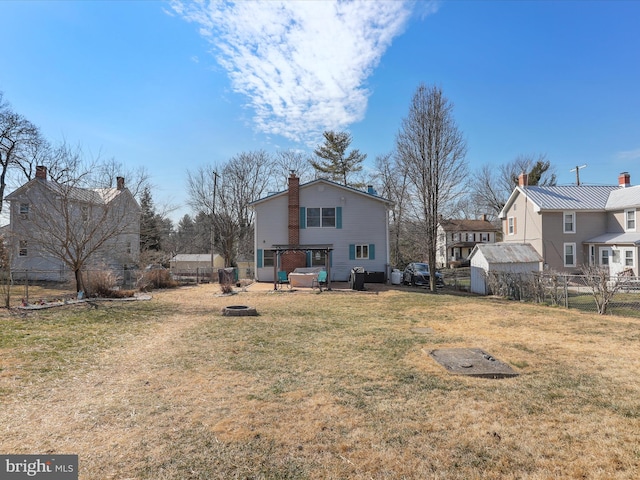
[(485, 237), (321, 217), (22, 248), (628, 258), (129, 248), (456, 237), (362, 252), (268, 258), (569, 222), (630, 220), (85, 213), (569, 254), (605, 257), (511, 226), (24, 211), (592, 255)]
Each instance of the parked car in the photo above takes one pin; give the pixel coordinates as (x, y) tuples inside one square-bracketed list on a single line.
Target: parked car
[(417, 274)]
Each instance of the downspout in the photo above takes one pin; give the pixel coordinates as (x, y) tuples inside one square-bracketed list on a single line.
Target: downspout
[(388, 259)]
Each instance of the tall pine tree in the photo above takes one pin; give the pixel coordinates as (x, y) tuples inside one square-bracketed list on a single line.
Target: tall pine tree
[(150, 224), (334, 160)]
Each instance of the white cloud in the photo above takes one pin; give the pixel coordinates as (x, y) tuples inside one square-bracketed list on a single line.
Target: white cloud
[(629, 155), (303, 65)]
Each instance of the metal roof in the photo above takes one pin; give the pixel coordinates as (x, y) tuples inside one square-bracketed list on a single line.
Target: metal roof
[(624, 198), (614, 238), (570, 197), (507, 252)]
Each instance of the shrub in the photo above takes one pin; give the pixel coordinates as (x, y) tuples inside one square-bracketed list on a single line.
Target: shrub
[(103, 283), (156, 279)]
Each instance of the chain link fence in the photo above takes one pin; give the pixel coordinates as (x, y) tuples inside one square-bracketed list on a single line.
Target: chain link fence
[(611, 295)]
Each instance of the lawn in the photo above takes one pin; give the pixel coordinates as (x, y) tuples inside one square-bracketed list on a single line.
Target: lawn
[(331, 385)]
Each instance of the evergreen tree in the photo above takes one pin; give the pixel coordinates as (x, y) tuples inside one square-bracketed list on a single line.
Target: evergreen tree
[(334, 160), (149, 223)]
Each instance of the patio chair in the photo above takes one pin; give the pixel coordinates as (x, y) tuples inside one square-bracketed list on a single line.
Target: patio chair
[(320, 280), (283, 278)]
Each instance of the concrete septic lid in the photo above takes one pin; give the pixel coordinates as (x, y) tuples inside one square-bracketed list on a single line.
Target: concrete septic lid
[(471, 361)]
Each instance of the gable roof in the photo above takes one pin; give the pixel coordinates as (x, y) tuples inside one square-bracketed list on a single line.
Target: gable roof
[(302, 186), (453, 225), (624, 198), (94, 196), (507, 252), (568, 197)]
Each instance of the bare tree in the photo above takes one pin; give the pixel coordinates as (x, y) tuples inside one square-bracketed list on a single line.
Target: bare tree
[(394, 186), (244, 178), (432, 151), (17, 136), (79, 226), (602, 285), (492, 186), (108, 171), (285, 162)]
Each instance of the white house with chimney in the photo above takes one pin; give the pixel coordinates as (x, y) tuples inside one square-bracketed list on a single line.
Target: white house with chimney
[(575, 225), (51, 222), (324, 225)]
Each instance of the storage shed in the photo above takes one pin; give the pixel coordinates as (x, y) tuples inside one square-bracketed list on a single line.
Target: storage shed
[(501, 257), (194, 264)]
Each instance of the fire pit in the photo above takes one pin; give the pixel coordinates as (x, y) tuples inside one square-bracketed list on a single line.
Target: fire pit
[(239, 311)]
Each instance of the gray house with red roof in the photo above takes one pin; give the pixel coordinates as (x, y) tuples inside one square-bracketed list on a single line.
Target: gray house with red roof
[(575, 225)]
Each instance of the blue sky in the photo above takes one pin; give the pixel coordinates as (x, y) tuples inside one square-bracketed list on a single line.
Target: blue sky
[(175, 85)]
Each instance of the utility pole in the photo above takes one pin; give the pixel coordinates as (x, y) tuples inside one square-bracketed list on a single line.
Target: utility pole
[(213, 219), (577, 170)]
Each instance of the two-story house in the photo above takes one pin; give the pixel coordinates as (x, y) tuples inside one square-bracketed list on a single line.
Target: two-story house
[(575, 225), (55, 228), (321, 224), (456, 239)]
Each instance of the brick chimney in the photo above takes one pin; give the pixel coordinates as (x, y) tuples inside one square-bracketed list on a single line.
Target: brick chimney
[(523, 180), (624, 180), (293, 259), (41, 172), (120, 183), (294, 209)]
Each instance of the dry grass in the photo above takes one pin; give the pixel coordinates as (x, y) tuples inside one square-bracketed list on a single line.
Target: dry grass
[(331, 385)]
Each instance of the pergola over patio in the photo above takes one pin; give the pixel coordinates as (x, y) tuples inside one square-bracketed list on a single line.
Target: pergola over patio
[(281, 249)]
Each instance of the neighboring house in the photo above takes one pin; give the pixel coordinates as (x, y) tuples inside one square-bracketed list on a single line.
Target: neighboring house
[(503, 258), (456, 239), (46, 216), (575, 225), (321, 224)]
